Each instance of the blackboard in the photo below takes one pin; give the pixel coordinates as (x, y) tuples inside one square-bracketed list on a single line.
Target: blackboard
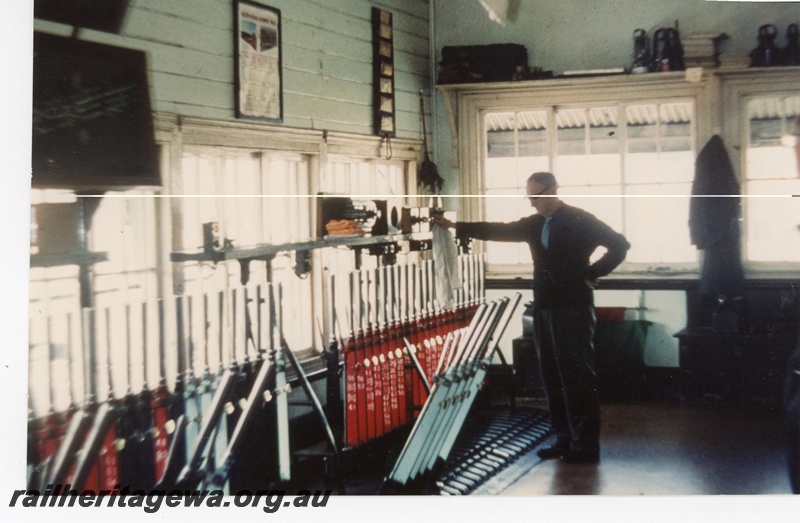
[(92, 120), (102, 15)]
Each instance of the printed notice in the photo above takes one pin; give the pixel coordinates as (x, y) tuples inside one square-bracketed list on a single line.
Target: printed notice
[(259, 63)]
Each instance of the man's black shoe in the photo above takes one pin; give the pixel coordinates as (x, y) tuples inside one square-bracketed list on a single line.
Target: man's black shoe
[(552, 452), (581, 456)]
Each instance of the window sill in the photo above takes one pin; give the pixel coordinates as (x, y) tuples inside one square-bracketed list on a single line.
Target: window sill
[(644, 280)]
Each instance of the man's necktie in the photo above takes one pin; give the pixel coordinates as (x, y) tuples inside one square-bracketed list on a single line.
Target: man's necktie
[(546, 232)]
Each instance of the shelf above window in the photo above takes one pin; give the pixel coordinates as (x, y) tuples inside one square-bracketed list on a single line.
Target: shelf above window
[(501, 95)]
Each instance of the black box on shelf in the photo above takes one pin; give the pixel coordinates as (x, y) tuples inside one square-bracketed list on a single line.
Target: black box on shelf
[(481, 63), (389, 217)]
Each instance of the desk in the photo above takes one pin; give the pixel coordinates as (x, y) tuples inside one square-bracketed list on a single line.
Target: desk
[(733, 365)]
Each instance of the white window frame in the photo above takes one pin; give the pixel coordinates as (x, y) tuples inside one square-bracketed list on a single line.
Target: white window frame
[(736, 88), (625, 183), (321, 147), (468, 105)]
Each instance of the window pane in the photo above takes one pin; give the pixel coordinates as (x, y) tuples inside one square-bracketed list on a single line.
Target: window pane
[(517, 147), (502, 253), (588, 147), (676, 129), (770, 166), (503, 208), (605, 169), (572, 170), (660, 167), (656, 224), (771, 222), (500, 207), (677, 166), (596, 172), (604, 202), (604, 146), (572, 162), (770, 121), (642, 128), (502, 173), (533, 154), (532, 132), (532, 164), (764, 163), (660, 143), (260, 198), (770, 118), (382, 180), (500, 135), (366, 177), (248, 231), (296, 307), (285, 211)]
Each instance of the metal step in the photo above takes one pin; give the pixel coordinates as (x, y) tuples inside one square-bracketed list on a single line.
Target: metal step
[(489, 446)]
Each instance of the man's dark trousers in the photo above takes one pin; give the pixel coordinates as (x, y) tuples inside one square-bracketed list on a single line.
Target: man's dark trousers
[(564, 339)]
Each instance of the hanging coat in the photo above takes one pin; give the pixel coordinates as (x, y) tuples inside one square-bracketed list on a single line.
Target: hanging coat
[(714, 222)]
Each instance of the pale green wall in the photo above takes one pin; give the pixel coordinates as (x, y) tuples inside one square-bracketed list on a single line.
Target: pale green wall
[(582, 34), (327, 60)]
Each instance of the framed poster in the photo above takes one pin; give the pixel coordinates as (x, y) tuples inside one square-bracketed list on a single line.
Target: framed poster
[(257, 48), (383, 72)]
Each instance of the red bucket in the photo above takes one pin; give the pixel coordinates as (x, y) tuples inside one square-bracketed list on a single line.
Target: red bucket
[(610, 314)]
